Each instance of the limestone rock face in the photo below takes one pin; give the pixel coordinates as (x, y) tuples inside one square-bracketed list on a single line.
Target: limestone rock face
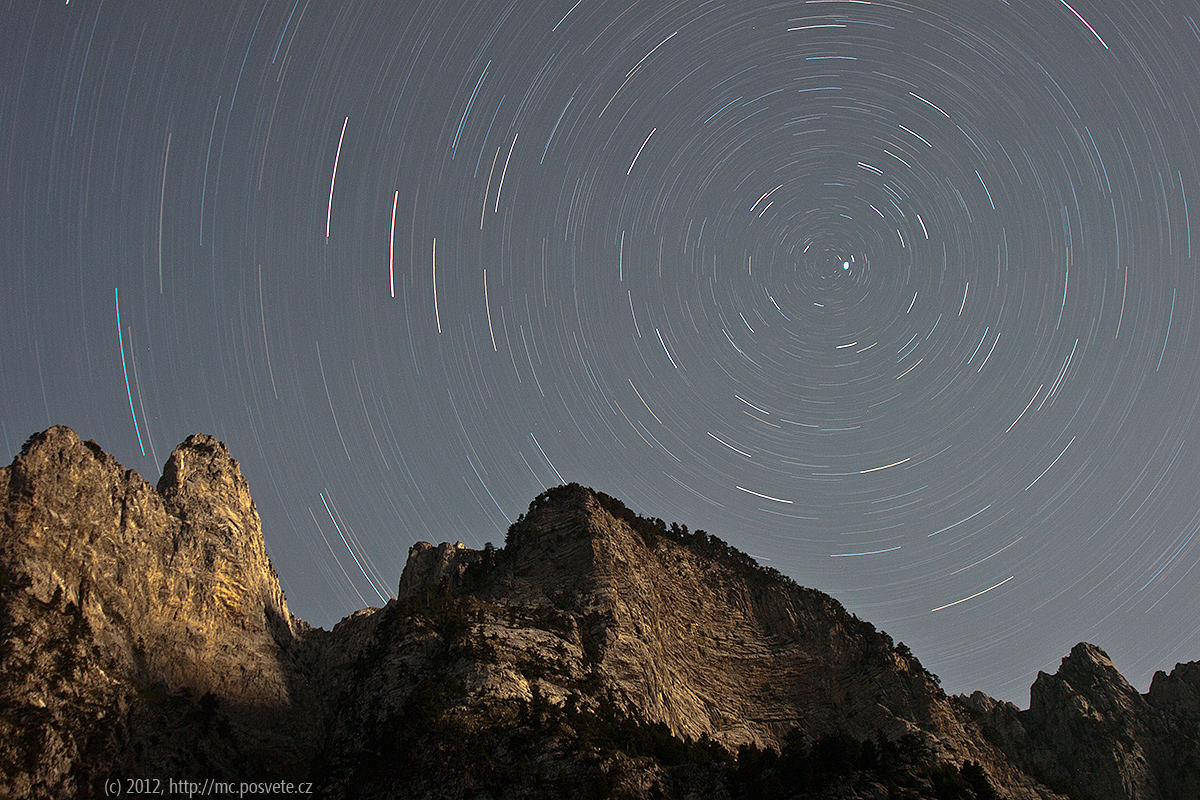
[(598, 653), (129, 611), (684, 631), (430, 566), (1088, 729), (1077, 711), (707, 648)]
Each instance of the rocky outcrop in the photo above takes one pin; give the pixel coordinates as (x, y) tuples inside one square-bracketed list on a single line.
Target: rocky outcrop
[(706, 644), (591, 609), (1088, 730), (598, 653), (134, 618), (429, 566)]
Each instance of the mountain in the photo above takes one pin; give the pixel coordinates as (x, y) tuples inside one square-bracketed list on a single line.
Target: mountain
[(1089, 730), (144, 637)]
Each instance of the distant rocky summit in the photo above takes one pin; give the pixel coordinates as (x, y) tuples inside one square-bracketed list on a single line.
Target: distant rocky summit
[(1090, 734), (144, 637)]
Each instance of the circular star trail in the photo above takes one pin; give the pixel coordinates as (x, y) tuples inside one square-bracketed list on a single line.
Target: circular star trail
[(900, 298)]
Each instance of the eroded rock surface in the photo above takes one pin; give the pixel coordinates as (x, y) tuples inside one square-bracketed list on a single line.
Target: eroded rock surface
[(598, 653), (1089, 730), (136, 619)]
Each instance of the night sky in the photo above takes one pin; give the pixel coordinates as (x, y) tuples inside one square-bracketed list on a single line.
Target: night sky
[(898, 297)]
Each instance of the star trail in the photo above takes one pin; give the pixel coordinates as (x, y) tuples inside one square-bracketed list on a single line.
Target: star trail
[(898, 297)]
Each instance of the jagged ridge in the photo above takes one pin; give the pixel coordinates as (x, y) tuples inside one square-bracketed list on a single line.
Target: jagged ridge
[(130, 611), (1089, 733), (597, 652)]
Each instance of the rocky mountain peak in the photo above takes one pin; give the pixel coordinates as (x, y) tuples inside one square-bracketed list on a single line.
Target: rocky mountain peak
[(1179, 691), (1089, 729), (200, 471), (597, 652), (1086, 686), (85, 527), (111, 588), (693, 634), (1089, 668)]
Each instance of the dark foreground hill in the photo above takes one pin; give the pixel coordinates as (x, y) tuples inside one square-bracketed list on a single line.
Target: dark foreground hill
[(144, 637)]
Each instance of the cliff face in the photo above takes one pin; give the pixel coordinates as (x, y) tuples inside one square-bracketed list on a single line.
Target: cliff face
[(130, 613), (693, 637), (587, 603), (597, 653)]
